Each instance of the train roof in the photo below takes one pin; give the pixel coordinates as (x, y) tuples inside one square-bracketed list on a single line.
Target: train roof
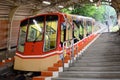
[(74, 17), (79, 17)]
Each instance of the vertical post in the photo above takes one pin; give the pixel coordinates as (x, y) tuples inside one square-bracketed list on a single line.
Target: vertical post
[(119, 22), (72, 55), (77, 51), (93, 26), (85, 28), (9, 35), (107, 23), (11, 16), (64, 46)]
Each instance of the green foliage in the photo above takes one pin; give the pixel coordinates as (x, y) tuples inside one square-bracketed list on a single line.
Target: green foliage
[(66, 10), (99, 13), (88, 10)]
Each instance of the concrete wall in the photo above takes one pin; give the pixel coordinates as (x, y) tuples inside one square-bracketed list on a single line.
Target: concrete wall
[(4, 31)]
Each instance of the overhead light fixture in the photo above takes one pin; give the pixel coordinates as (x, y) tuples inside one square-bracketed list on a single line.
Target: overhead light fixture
[(46, 2), (91, 0), (60, 6), (70, 8), (110, 0)]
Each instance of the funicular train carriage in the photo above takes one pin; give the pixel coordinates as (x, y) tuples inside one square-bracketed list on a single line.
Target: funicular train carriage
[(41, 39)]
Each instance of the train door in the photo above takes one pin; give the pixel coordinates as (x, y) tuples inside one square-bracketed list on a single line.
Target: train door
[(50, 38)]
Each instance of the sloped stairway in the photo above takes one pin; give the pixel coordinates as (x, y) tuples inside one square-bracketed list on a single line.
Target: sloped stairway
[(100, 61)]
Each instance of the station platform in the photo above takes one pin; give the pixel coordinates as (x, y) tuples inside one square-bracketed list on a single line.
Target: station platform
[(100, 61)]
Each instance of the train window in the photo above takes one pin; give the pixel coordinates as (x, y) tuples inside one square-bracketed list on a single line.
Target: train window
[(35, 29), (89, 27), (63, 32), (76, 31), (68, 31), (50, 32), (22, 35), (81, 30)]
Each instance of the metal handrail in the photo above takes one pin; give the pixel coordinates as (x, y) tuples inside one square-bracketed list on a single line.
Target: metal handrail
[(65, 47)]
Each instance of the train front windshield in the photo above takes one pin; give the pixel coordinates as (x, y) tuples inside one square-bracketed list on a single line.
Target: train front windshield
[(32, 29), (37, 28)]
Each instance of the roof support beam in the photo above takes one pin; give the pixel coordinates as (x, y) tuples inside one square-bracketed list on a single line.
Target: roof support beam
[(11, 17), (11, 2)]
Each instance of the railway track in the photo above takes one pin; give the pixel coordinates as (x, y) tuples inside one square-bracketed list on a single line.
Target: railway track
[(11, 74)]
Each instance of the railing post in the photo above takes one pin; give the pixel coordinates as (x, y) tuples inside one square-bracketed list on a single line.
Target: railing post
[(77, 51), (64, 44), (72, 55)]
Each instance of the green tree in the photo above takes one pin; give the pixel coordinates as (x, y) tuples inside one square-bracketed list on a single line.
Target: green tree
[(86, 10)]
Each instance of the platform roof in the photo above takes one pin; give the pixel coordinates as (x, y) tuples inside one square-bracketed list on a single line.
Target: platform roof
[(24, 8)]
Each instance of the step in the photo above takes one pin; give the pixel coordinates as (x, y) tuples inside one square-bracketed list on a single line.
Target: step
[(81, 64), (95, 64), (74, 74), (100, 54), (101, 69), (100, 60), (63, 78), (103, 49), (100, 57)]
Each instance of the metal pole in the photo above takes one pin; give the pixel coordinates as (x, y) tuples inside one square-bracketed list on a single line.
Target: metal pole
[(64, 45)]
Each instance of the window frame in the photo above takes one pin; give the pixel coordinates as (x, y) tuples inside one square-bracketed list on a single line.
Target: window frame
[(56, 32), (25, 24)]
